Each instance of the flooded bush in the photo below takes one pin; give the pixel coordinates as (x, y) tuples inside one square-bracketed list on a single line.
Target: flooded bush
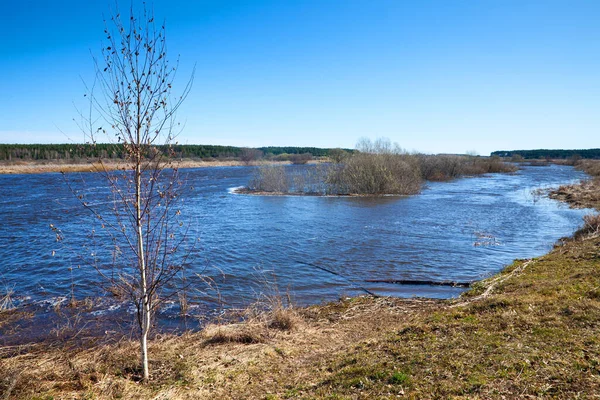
[(311, 180), (377, 174), (447, 167), (441, 167), (540, 162), (376, 168), (270, 178)]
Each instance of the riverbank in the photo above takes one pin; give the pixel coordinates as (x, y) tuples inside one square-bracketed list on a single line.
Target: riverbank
[(585, 194), (529, 331), (37, 167)]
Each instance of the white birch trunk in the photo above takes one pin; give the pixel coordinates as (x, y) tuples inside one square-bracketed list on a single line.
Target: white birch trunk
[(141, 258)]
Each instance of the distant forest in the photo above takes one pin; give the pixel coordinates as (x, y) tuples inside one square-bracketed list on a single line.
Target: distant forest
[(550, 154), (74, 152)]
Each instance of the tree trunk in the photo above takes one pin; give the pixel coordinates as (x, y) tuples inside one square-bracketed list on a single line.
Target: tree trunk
[(144, 339), (142, 266)]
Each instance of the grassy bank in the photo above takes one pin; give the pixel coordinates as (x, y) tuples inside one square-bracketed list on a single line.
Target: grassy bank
[(529, 331)]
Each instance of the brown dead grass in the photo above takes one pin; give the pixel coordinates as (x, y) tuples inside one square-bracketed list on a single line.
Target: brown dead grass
[(33, 167), (590, 228), (590, 167), (231, 361), (10, 319), (582, 195), (585, 194)]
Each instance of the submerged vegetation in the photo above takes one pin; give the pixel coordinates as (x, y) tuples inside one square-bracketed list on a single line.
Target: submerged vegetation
[(376, 168)]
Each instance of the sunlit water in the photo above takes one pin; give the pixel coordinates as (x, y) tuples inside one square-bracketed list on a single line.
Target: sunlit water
[(462, 230)]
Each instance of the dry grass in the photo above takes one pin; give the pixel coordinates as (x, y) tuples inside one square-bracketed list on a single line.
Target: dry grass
[(590, 167), (44, 167), (34, 167), (583, 195), (590, 228), (234, 333), (6, 299), (284, 319)]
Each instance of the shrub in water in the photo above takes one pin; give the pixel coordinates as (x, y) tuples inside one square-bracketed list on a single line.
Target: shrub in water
[(270, 178)]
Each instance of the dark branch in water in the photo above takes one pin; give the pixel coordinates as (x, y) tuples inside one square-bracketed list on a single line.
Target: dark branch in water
[(341, 276), (417, 282)]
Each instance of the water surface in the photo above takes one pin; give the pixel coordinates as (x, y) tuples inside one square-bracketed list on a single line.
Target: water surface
[(462, 230)]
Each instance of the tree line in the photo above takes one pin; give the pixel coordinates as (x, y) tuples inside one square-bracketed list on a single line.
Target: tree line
[(561, 154), (69, 152)]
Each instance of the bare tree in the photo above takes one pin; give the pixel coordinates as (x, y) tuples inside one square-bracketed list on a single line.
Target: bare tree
[(249, 155), (133, 105), (338, 155)]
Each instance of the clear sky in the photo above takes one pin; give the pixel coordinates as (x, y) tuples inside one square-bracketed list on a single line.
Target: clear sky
[(434, 76)]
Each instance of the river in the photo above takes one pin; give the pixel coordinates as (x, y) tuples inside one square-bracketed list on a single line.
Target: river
[(310, 249)]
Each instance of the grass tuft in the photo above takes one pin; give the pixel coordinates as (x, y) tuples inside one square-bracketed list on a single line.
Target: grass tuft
[(283, 319), (234, 333)]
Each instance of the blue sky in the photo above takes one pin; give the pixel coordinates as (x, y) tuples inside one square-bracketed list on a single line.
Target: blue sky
[(434, 76)]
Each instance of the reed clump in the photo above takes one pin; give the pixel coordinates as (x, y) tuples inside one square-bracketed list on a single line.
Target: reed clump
[(6, 299)]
